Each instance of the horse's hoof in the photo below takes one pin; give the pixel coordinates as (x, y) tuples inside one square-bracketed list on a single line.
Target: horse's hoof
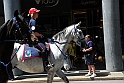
[(48, 67), (11, 79), (52, 65)]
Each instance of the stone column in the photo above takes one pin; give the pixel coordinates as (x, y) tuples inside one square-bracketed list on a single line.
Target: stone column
[(9, 7), (112, 38)]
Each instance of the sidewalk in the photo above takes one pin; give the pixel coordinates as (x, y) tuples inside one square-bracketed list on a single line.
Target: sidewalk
[(71, 75)]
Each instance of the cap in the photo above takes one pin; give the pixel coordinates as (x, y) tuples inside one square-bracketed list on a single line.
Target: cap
[(33, 10)]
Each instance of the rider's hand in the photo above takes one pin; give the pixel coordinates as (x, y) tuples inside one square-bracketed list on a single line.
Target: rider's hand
[(84, 50), (41, 36)]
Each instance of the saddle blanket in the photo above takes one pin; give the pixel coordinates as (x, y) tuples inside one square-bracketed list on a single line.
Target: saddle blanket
[(27, 52)]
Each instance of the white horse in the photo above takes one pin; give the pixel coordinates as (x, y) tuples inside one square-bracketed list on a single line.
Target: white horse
[(58, 48)]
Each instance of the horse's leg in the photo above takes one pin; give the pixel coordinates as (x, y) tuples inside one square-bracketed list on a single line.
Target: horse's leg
[(10, 73), (62, 76), (50, 76), (3, 74)]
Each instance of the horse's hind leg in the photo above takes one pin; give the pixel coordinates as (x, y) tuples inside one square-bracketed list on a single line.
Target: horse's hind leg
[(62, 76), (50, 76)]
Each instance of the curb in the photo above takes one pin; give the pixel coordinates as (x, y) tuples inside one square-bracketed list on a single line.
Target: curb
[(71, 75)]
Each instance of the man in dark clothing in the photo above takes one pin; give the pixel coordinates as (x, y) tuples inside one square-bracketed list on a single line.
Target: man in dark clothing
[(89, 56)]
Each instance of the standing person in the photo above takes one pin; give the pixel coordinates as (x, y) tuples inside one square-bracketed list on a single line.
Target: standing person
[(72, 53), (33, 12), (89, 57)]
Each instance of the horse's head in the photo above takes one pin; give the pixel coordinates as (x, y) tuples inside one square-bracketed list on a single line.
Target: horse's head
[(71, 33), (78, 36), (21, 28)]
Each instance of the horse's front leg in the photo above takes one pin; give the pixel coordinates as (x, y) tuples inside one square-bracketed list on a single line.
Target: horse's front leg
[(3, 74), (60, 74), (50, 76)]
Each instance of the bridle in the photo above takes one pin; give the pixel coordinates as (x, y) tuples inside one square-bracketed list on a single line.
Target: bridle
[(76, 34), (79, 39), (24, 35)]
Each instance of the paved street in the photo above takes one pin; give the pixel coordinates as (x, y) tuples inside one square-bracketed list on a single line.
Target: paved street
[(105, 81)]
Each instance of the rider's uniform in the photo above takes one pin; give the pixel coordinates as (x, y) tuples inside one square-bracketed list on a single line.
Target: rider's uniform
[(33, 25)]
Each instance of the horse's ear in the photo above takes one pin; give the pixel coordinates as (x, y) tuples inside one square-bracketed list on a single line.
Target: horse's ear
[(79, 23), (16, 13), (24, 14)]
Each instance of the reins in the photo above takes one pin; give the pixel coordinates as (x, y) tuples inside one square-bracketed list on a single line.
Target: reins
[(62, 52), (52, 40), (18, 41), (9, 62)]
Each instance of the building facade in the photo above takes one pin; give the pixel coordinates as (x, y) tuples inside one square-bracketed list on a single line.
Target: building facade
[(55, 15)]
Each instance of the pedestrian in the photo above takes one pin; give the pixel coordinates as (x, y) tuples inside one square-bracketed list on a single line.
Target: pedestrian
[(33, 12), (72, 54), (89, 57)]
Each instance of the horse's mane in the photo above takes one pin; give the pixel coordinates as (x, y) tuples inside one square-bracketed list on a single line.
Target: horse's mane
[(4, 29), (62, 34)]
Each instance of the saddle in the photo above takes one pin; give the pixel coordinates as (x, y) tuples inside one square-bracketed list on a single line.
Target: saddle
[(32, 52)]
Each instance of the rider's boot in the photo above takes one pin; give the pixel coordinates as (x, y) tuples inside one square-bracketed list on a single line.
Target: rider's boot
[(46, 63), (44, 56)]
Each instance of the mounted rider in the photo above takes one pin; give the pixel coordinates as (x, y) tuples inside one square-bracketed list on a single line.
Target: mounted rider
[(33, 12)]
